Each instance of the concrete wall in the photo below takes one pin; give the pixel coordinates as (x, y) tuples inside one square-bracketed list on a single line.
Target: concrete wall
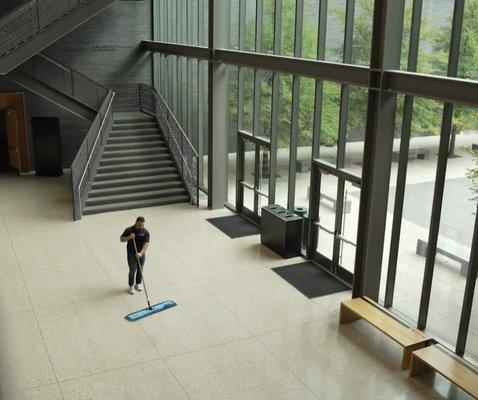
[(106, 49)]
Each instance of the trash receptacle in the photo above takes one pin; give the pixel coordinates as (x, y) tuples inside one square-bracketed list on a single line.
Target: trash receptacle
[(302, 211)]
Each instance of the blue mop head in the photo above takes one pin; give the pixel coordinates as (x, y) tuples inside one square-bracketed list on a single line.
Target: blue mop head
[(150, 311)]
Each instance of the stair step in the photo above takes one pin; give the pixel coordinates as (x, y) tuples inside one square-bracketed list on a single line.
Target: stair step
[(134, 139), (134, 159), (134, 126), (153, 150), (136, 196), (130, 132), (134, 145), (134, 166), (137, 132), (139, 180), (135, 204), (134, 120), (144, 187), (136, 173)]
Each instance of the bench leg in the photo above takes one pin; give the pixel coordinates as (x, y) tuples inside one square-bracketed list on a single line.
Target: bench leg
[(418, 367), (408, 352), (346, 315)]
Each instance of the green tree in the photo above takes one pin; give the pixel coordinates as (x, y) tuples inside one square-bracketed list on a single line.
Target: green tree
[(433, 59)]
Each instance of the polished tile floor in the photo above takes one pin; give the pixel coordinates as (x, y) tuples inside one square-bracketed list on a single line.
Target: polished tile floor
[(239, 331)]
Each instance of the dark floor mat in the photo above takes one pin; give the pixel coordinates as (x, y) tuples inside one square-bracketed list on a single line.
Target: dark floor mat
[(310, 280), (235, 226)]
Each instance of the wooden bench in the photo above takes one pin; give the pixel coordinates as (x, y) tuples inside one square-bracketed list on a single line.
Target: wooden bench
[(449, 365), (419, 154), (455, 254), (410, 338)]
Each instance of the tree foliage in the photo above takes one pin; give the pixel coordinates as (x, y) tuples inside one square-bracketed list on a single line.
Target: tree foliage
[(433, 59)]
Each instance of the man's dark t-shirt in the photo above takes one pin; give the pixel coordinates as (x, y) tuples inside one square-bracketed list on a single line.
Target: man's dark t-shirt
[(142, 237)]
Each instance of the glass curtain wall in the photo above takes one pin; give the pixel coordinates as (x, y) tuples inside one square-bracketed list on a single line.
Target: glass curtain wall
[(433, 186), (183, 81)]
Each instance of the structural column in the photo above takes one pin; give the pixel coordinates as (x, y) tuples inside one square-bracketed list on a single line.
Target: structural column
[(385, 55), (217, 107)]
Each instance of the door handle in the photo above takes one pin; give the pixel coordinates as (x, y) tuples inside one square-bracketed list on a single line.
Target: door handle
[(13, 148)]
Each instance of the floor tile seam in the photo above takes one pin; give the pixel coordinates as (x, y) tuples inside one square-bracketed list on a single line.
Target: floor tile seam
[(35, 316), (310, 322), (288, 369), (88, 375), (338, 375), (227, 308), (31, 388), (177, 380), (209, 347), (265, 347), (9, 233), (180, 262)]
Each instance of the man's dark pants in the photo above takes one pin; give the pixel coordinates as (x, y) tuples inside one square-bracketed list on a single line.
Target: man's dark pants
[(133, 266)]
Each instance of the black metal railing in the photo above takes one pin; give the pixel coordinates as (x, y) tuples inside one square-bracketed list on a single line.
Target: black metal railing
[(85, 164), (65, 80), (182, 150), (31, 18)]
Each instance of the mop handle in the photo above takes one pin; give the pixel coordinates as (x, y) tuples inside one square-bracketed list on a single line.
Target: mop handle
[(141, 273)]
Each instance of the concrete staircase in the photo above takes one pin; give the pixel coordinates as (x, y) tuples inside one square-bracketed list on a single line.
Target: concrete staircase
[(136, 169)]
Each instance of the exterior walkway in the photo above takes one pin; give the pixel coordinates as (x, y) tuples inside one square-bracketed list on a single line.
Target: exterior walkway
[(239, 331)]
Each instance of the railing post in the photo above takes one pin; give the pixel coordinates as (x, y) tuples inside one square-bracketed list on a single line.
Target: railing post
[(38, 16)]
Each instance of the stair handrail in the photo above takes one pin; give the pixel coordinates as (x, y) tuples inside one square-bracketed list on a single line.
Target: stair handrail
[(183, 152), (87, 159), (65, 80), (26, 21)]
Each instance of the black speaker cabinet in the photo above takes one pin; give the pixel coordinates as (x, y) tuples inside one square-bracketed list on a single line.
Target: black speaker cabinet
[(47, 146)]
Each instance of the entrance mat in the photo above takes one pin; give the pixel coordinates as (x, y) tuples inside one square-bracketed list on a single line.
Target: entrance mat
[(310, 280), (235, 226)]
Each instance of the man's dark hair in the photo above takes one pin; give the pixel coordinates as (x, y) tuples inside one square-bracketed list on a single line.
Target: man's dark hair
[(140, 219)]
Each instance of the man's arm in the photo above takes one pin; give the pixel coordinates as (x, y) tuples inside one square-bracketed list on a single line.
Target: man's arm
[(143, 250), (126, 238)]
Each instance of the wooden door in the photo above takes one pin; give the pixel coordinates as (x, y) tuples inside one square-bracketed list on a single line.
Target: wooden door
[(13, 138), (16, 129)]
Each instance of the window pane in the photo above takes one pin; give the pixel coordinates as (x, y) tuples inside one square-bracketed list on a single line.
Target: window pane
[(356, 120), (304, 141), (362, 32), (349, 226), (330, 122), (310, 29), (435, 34), (468, 66), (328, 198), (232, 134), (456, 231), (283, 141), (417, 204), (335, 30), (288, 28)]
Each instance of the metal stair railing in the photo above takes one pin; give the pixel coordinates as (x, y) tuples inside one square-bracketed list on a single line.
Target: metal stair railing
[(86, 162), (182, 151), (30, 19), (65, 80)]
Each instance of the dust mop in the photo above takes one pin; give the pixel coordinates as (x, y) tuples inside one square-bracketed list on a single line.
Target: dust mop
[(150, 310)]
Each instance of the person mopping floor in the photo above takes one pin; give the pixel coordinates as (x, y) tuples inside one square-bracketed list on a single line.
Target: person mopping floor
[(138, 241)]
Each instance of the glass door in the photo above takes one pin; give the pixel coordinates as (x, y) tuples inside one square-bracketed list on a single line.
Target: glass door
[(334, 206), (253, 166)]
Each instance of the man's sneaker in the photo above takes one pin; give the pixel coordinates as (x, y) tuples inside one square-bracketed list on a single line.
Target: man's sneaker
[(138, 287), (131, 290)]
